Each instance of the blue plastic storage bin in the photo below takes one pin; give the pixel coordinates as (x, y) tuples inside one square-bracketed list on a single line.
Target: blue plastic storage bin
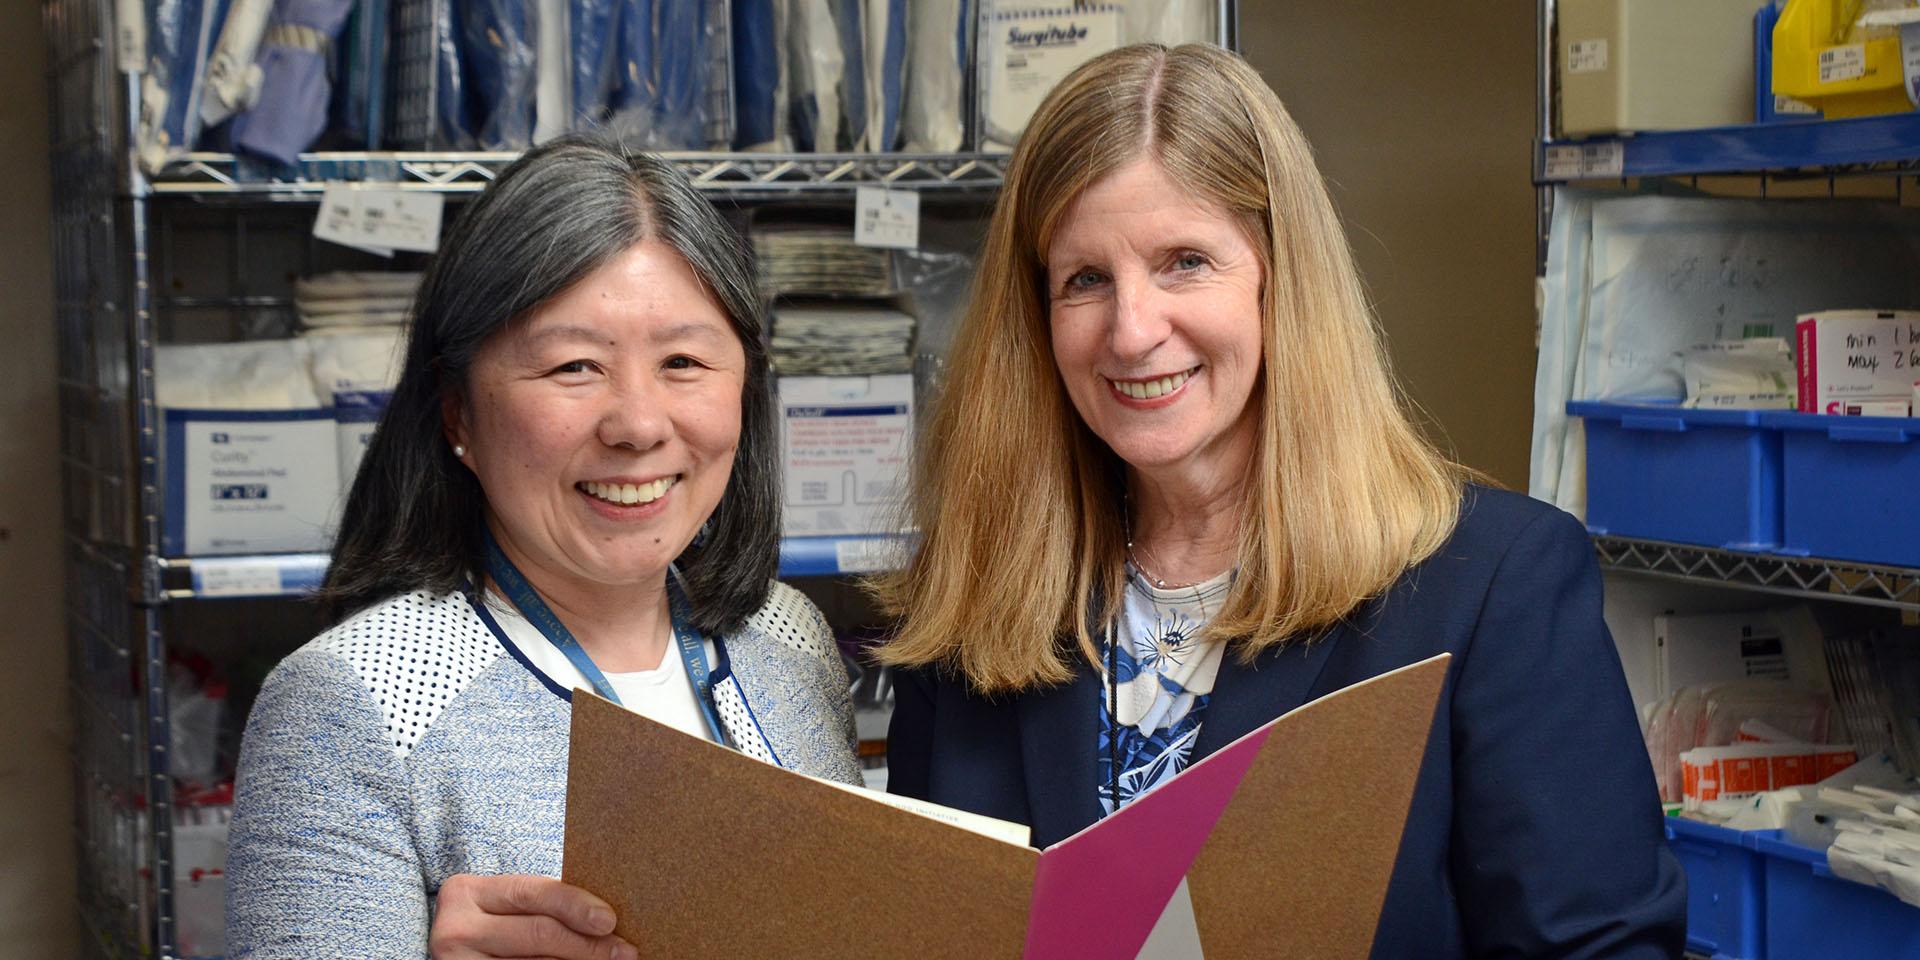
[(1726, 889), (1850, 486), (1814, 915), (1664, 472)]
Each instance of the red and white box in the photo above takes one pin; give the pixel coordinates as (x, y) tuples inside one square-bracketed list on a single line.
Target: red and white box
[(1742, 770), (1861, 359)]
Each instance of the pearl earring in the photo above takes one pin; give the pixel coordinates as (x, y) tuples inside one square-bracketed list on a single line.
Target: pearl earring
[(459, 451)]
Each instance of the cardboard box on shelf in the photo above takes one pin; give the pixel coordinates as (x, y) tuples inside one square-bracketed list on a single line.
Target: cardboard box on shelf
[(1862, 357), (845, 442), (1626, 65), (249, 481)]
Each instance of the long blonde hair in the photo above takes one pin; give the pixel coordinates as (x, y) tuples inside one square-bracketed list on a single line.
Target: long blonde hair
[(1019, 506)]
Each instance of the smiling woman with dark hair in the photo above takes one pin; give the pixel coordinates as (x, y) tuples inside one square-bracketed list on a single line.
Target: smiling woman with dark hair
[(574, 487)]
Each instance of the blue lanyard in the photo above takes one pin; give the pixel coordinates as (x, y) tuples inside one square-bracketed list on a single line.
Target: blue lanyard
[(687, 637)]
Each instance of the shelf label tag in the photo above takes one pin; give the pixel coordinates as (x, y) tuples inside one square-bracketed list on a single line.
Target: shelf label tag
[(249, 577), (380, 221), (1563, 163), (866, 555), (886, 218), (1843, 63), (1586, 161), (1785, 105), (1587, 56)]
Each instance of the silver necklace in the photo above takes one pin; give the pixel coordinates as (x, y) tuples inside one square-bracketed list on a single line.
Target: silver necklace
[(1126, 525)]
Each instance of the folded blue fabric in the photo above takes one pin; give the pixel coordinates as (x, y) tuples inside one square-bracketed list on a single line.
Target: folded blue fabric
[(294, 88), (892, 64), (756, 74), (592, 45), (660, 84), (500, 44), (452, 110), (853, 75), (359, 93)]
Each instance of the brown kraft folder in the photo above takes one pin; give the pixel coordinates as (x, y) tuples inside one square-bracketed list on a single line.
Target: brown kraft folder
[(1279, 845)]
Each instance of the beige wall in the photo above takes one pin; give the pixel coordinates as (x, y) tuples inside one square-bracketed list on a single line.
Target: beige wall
[(37, 914), (1421, 116)]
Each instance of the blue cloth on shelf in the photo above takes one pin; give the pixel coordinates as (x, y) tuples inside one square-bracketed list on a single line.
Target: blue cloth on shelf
[(853, 75), (756, 74), (499, 46), (592, 46), (294, 87), (891, 62), (358, 110), (452, 115), (660, 83)]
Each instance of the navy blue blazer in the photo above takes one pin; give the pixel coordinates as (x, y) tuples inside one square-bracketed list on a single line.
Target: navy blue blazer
[(1535, 829)]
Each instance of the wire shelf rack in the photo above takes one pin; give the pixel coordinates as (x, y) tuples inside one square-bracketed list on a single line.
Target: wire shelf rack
[(1808, 577), (738, 175)]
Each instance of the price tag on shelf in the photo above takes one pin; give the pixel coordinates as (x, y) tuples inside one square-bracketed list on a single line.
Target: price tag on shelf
[(1563, 163), (886, 218), (1586, 161), (378, 220), (1603, 160), (238, 577), (339, 220), (870, 555), (402, 219)]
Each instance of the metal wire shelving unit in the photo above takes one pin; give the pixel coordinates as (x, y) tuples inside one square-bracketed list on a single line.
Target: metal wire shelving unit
[(1803, 577), (1768, 159), (128, 246), (1884, 147), (734, 175)]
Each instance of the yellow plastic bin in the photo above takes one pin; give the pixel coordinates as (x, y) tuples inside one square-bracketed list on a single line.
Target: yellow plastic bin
[(1821, 57)]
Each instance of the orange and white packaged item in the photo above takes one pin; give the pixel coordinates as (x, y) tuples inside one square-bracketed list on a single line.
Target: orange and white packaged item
[(1744, 769)]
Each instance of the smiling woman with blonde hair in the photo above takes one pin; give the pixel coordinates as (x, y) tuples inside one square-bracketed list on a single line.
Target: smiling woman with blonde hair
[(1171, 491)]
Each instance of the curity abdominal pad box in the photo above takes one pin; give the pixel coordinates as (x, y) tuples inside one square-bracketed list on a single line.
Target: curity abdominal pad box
[(1659, 471)]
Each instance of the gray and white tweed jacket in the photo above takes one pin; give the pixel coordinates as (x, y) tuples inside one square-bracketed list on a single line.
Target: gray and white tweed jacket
[(409, 743)]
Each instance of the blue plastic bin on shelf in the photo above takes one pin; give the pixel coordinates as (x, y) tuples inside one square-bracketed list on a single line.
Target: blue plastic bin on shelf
[(1663, 472), (1814, 915), (1726, 889), (1850, 486)]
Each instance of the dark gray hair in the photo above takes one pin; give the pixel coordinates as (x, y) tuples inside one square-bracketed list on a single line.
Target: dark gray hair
[(414, 518)]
